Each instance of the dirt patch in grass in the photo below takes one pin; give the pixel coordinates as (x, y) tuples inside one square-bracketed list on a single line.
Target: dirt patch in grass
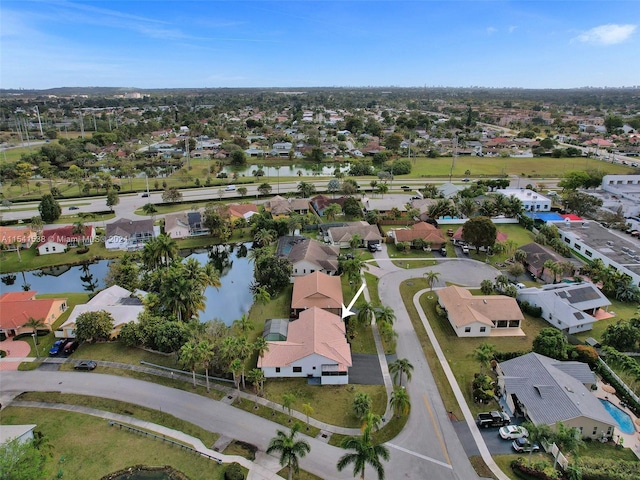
[(241, 449)]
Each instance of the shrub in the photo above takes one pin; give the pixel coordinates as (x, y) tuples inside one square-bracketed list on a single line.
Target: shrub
[(234, 472)]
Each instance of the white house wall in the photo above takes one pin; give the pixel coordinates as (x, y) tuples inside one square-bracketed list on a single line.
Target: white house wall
[(474, 330), (310, 366)]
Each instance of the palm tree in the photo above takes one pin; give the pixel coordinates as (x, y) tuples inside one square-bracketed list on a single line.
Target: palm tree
[(34, 324), (467, 206), (307, 409), (372, 421), (431, 277), (306, 189), (400, 401), (361, 404), (244, 349), (289, 448), (262, 296), (151, 255), (206, 354), (149, 209), (288, 399), (537, 434), (385, 314), (256, 377), (382, 188), (167, 248), (398, 368), (236, 367), (331, 211), (16, 243), (243, 324), (261, 346), (355, 241), (520, 256), (484, 353), (190, 357), (365, 452), (263, 237), (365, 313)]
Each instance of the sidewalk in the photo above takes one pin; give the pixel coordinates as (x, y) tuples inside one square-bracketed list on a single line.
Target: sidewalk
[(264, 468)]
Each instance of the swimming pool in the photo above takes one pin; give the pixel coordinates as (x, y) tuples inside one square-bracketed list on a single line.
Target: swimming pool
[(624, 421)]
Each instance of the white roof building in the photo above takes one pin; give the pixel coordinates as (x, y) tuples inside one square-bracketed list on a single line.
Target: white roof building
[(532, 201)]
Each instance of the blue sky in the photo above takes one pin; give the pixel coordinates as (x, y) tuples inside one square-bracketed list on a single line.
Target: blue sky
[(304, 43)]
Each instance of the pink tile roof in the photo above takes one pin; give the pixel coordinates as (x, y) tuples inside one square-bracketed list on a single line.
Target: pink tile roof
[(65, 235), (18, 307), (423, 230), (317, 290), (240, 209), (315, 332)]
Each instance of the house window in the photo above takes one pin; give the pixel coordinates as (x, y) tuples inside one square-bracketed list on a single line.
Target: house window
[(277, 369), (595, 431), (577, 247), (314, 368), (304, 271), (483, 329), (53, 249), (46, 249), (467, 329), (297, 369), (567, 240), (588, 253)]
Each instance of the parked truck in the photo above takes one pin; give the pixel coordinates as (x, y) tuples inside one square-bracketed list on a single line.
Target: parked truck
[(492, 419)]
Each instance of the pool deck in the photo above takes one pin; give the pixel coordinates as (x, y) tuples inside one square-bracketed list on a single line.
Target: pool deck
[(632, 440)]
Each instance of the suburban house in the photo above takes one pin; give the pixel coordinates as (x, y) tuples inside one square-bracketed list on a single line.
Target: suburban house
[(548, 391), (308, 256), (537, 255), (341, 236), (125, 234), (480, 315), (24, 237), (57, 240), (20, 433), (16, 308), (317, 290), (430, 234), (320, 202), (449, 190), (457, 236), (242, 210), (184, 224), (570, 307), (281, 207), (176, 225), (382, 205), (123, 305), (531, 201), (315, 347)]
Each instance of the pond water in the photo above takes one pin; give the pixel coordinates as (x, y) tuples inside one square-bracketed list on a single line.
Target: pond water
[(227, 303), (271, 172)]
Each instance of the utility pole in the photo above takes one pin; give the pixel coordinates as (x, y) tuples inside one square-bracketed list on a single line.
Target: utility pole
[(81, 124), (39, 120), (454, 153)]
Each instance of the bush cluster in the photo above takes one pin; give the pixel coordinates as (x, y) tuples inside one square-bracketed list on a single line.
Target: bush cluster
[(529, 309), (608, 469), (234, 472)]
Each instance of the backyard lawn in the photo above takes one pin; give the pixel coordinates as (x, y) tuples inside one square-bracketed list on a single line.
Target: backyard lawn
[(84, 446)]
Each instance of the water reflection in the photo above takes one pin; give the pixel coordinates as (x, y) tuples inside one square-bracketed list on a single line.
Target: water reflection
[(302, 170)]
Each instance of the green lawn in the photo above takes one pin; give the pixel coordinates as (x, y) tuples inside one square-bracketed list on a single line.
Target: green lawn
[(331, 403), (30, 260), (539, 167), (278, 416), (87, 447), (623, 311)]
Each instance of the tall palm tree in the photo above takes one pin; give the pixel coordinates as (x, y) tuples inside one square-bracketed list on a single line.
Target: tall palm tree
[(400, 401), (256, 377), (263, 237), (331, 211), (398, 368), (190, 357), (467, 206), (362, 404), (168, 248), (289, 448), (149, 209), (261, 346), (243, 324), (431, 277), (355, 241), (385, 314), (151, 255), (306, 189), (262, 296), (308, 410), (484, 353), (365, 452), (236, 367), (34, 324), (288, 399), (206, 353), (520, 256), (365, 313)]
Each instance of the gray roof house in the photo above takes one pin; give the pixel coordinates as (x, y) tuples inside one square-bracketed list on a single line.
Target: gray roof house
[(548, 391), (570, 307), (307, 256), (125, 234), (341, 236)]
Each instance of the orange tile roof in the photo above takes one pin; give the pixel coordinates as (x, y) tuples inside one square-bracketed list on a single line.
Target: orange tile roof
[(18, 307), (463, 308), (315, 332), (240, 209), (423, 230), (65, 235), (317, 290), (8, 235)]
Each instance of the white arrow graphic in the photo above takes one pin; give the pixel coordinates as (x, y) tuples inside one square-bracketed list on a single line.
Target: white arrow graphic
[(346, 311)]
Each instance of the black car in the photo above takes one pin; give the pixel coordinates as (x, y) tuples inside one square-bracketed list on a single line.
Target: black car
[(405, 187), (86, 365), (73, 207)]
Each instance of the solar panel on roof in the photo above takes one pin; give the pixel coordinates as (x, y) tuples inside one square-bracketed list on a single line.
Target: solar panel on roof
[(578, 315), (582, 295)]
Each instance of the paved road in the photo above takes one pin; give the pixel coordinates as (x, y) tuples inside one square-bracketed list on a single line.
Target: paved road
[(209, 414), (429, 441)]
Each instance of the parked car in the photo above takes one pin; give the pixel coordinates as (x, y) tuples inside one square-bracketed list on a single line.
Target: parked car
[(443, 251), (466, 180), (70, 347), (523, 445), (372, 248), (73, 207), (145, 195), (450, 232), (86, 365), (405, 187), (378, 246), (493, 419), (465, 249), (511, 432), (57, 346)]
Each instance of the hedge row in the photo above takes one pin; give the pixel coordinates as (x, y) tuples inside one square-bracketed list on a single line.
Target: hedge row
[(607, 469)]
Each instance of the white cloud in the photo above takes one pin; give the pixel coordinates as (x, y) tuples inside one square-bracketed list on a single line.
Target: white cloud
[(491, 30), (512, 28), (609, 34)]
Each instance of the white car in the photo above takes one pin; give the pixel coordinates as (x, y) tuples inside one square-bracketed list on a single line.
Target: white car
[(511, 432), (230, 188)]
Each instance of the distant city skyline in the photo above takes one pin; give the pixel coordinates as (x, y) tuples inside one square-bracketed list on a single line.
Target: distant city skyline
[(209, 44)]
